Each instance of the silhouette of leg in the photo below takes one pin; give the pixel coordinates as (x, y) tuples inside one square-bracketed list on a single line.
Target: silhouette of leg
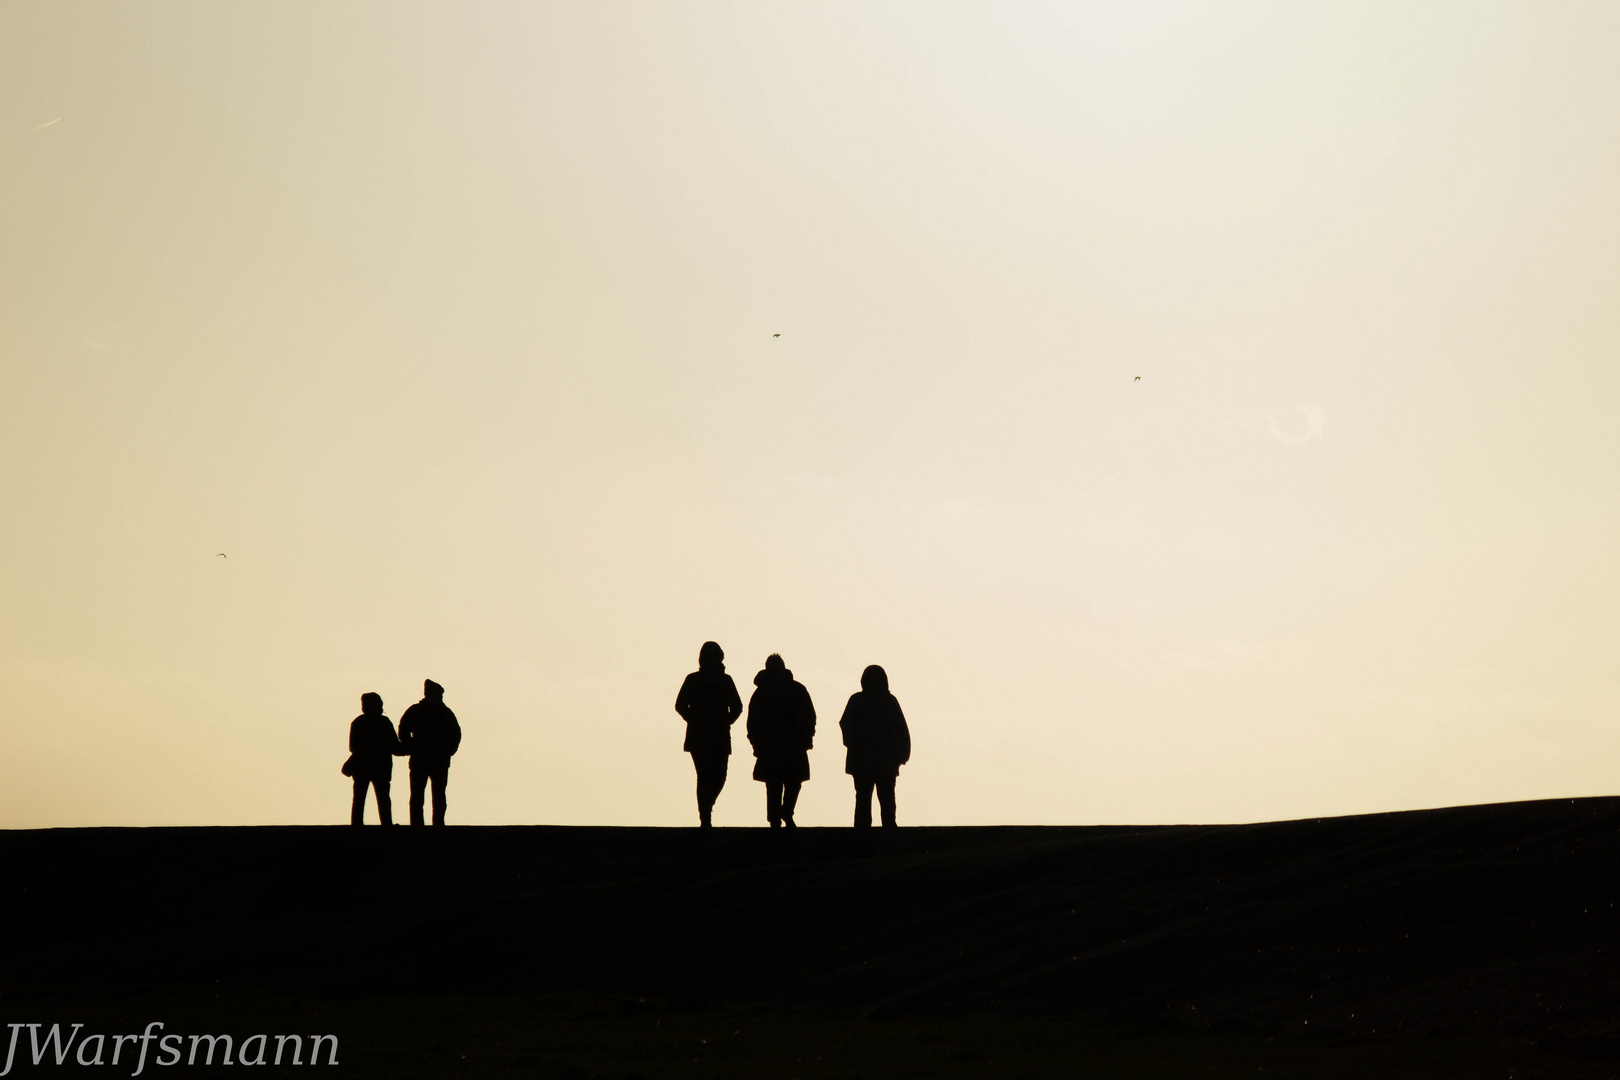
[(441, 780), (419, 780), (885, 794), (702, 786), (718, 772), (863, 801), (385, 805), (773, 802), (357, 813), (711, 778), (790, 799)]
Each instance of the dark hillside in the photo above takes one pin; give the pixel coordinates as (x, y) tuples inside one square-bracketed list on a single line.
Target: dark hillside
[(1494, 925)]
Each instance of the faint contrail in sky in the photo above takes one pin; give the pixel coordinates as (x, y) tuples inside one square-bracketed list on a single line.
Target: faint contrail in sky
[(48, 123)]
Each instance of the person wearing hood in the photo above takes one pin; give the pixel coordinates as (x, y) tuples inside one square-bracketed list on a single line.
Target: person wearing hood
[(372, 746), (781, 728), (879, 743), (431, 735), (709, 704)]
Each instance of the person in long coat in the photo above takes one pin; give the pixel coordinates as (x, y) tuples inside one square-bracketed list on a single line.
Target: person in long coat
[(372, 747), (878, 742), (781, 728), (430, 734), (709, 704)]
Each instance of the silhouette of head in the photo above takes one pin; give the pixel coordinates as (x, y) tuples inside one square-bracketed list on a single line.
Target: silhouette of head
[(371, 704), (874, 680), (432, 691), (775, 664), (711, 655)]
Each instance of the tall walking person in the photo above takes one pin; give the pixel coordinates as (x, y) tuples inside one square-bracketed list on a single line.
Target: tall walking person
[(430, 733), (709, 704)]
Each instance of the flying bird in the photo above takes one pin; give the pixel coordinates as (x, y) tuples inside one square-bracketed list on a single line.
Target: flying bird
[(776, 335), (222, 554), (1138, 379)]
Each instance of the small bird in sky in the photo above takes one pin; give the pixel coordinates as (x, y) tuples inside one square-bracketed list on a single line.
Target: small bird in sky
[(1138, 379), (222, 554), (776, 335)]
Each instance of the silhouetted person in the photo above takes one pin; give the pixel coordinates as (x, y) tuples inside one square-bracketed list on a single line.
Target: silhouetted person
[(430, 734), (781, 727), (709, 704), (879, 743), (372, 746)]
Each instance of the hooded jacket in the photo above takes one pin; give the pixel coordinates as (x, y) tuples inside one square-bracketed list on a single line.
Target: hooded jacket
[(373, 743), (781, 727), (876, 734)]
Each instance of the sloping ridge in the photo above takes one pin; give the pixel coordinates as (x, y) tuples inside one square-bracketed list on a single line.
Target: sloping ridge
[(1485, 918)]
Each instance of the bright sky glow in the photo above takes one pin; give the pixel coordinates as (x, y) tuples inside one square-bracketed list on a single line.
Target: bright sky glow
[(452, 325)]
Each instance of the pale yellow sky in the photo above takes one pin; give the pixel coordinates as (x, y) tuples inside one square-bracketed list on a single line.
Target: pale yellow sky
[(451, 325)]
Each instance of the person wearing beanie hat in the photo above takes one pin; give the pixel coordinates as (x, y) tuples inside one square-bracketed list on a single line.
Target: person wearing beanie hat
[(430, 734)]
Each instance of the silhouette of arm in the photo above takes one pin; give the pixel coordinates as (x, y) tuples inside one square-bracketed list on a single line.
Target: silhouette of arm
[(683, 700), (454, 741), (407, 731), (754, 720), (850, 719), (394, 746), (807, 719), (902, 735), (356, 743), (733, 702)]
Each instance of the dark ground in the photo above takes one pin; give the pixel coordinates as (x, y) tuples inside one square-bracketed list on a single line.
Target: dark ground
[(1468, 942)]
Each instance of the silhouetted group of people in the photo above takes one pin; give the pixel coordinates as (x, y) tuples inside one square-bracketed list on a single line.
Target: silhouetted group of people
[(429, 735), (782, 729)]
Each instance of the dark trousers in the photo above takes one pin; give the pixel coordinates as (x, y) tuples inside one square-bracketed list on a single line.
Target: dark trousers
[(780, 798), (711, 777), (385, 807), (421, 773), (864, 786)]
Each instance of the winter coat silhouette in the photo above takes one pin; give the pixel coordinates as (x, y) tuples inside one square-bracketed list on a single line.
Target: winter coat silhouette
[(709, 704), (429, 731), (781, 728), (877, 743), (372, 747), (430, 734)]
